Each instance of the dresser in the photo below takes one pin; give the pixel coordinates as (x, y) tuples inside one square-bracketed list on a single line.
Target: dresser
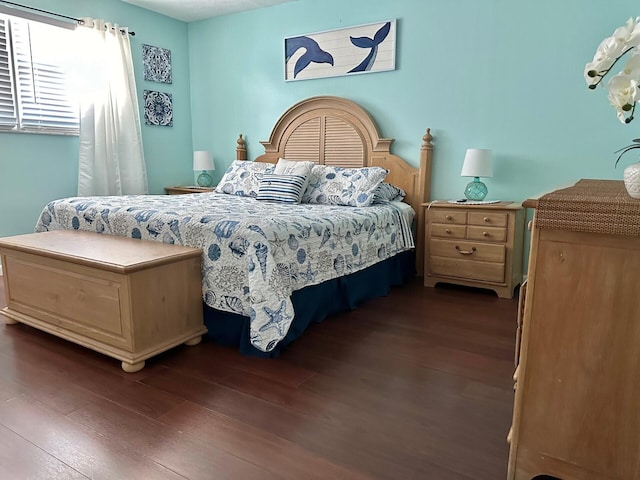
[(577, 380), (474, 245)]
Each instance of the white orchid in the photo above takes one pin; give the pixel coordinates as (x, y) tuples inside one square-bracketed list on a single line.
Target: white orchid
[(623, 94), (602, 62), (624, 88), (632, 68), (611, 49), (628, 35)]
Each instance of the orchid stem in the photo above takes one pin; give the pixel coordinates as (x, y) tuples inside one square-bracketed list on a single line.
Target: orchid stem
[(603, 74)]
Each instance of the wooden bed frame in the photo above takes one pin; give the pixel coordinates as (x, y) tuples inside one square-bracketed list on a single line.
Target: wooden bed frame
[(336, 131)]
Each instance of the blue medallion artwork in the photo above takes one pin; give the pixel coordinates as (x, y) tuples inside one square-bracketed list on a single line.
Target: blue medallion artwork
[(157, 64), (347, 51), (158, 108)]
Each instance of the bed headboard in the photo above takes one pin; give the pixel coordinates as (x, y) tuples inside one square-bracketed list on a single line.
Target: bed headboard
[(336, 131)]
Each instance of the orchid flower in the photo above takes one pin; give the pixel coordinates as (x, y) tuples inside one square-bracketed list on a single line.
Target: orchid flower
[(624, 88), (610, 50), (623, 94)]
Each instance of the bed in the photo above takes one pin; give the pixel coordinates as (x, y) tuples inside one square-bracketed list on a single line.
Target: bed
[(280, 266)]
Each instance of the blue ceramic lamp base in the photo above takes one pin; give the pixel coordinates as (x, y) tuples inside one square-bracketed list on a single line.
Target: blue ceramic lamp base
[(476, 190), (205, 180)]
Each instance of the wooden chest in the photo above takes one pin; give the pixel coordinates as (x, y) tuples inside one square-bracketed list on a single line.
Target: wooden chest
[(129, 299)]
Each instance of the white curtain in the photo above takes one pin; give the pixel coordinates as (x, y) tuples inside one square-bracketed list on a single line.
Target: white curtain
[(111, 153)]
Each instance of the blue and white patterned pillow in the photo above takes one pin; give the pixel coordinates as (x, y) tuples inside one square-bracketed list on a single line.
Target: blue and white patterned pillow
[(243, 178), (386, 192), (281, 188), (352, 187)]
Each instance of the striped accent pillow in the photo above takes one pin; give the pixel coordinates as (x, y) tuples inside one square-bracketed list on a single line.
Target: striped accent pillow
[(385, 192), (281, 188)]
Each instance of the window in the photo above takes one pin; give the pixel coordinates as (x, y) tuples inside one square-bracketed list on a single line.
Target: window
[(34, 79)]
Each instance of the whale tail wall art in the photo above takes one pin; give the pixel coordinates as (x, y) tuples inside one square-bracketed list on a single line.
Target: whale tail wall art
[(345, 51)]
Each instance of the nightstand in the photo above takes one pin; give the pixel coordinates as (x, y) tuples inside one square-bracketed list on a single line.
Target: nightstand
[(187, 189), (474, 245)]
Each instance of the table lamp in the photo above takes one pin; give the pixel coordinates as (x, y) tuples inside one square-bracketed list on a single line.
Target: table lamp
[(203, 161), (477, 163)]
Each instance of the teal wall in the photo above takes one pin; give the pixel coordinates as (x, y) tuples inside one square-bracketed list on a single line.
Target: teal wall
[(35, 169), (504, 75)]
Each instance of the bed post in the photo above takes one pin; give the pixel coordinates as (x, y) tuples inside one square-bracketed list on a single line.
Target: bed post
[(424, 195), (241, 149)]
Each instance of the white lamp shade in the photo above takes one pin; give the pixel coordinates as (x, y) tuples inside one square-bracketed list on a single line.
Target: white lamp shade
[(202, 160), (477, 163)]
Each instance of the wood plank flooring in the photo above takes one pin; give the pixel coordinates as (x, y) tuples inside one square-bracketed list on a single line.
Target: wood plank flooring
[(415, 385)]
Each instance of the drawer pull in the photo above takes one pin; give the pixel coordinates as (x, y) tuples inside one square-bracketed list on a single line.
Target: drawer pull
[(447, 230), (486, 219), (465, 252), (485, 234), (449, 217)]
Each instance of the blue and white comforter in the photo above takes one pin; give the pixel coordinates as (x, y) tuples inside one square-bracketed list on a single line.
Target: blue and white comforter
[(255, 254)]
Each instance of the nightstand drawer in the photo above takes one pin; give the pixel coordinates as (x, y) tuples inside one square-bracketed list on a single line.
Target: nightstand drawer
[(489, 219), (448, 231), (458, 217), (467, 269), (473, 251), (487, 234)]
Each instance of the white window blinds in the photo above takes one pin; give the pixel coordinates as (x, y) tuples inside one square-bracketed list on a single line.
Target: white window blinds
[(7, 99), (37, 82)]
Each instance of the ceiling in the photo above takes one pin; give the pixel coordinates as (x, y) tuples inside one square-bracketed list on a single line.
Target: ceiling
[(192, 10)]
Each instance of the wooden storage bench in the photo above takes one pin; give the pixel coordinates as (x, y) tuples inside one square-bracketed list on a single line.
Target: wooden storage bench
[(129, 299)]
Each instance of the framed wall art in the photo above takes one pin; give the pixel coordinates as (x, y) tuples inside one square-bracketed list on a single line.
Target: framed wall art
[(157, 64), (345, 51), (158, 108)]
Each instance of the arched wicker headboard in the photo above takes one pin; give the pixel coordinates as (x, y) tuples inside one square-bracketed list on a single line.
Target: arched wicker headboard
[(336, 131)]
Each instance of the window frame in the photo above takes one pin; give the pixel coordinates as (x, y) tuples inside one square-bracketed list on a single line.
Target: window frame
[(38, 86)]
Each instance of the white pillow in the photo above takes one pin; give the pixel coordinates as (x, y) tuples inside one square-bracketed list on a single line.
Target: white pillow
[(352, 187), (243, 178), (295, 167)]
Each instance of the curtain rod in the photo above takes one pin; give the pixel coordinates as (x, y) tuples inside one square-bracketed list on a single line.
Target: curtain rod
[(77, 20)]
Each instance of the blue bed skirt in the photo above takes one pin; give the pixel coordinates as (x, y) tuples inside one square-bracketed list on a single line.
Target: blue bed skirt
[(315, 303)]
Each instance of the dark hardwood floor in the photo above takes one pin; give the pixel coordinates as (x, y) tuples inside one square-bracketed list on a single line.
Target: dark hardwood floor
[(416, 385)]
